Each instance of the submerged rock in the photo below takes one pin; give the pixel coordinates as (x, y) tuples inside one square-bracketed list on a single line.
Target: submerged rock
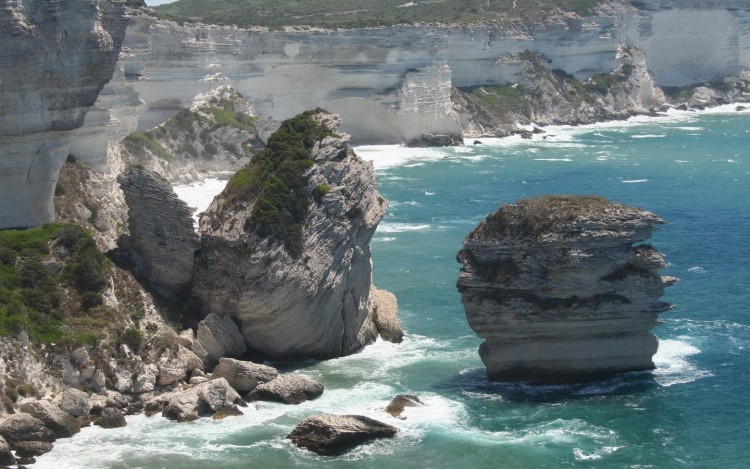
[(289, 389), (331, 435), (560, 289), (400, 402)]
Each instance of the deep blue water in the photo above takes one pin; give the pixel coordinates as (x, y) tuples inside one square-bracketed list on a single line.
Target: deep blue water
[(692, 411)]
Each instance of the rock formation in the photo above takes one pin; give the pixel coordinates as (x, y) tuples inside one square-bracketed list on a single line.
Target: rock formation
[(289, 389), (561, 290), (286, 252), (162, 241), (392, 84), (385, 315), (244, 376), (55, 56), (332, 435), (397, 405)]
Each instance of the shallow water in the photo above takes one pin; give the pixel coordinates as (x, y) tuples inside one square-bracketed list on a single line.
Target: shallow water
[(692, 170)]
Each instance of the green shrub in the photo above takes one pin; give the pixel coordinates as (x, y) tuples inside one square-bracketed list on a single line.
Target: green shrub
[(132, 337), (90, 300), (320, 191), (7, 256)]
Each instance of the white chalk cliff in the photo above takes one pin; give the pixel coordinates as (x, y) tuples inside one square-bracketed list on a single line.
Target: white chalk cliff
[(55, 56), (562, 289)]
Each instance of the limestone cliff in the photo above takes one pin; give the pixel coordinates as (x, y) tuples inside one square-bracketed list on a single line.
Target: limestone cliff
[(562, 290), (286, 246), (55, 56), (392, 84), (215, 136), (162, 242)]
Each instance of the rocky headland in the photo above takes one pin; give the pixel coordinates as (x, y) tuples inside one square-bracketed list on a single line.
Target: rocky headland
[(296, 224), (562, 288)]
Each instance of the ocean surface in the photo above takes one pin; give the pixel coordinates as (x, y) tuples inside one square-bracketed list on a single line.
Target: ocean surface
[(691, 169)]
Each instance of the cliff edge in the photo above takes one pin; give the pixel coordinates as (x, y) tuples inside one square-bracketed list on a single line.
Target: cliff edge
[(286, 246), (55, 56), (561, 291)]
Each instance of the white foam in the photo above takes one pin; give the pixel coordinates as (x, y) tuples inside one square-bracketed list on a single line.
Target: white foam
[(649, 136), (401, 227), (634, 181), (552, 159), (199, 195), (673, 365), (697, 270)]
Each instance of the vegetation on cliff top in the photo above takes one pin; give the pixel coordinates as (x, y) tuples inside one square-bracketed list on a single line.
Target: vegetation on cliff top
[(48, 275), (275, 178), (539, 215), (361, 13)]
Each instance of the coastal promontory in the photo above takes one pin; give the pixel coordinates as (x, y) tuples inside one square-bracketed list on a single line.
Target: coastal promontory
[(562, 288)]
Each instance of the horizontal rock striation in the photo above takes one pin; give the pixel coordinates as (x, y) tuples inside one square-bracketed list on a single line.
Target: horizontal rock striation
[(55, 56), (561, 290), (289, 256)]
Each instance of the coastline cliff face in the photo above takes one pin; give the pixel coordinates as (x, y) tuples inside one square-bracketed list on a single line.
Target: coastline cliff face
[(562, 290), (392, 84), (55, 56), (293, 267)]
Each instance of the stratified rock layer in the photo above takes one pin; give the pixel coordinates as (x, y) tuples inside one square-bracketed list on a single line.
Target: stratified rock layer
[(560, 291), (55, 56), (314, 303), (162, 240)]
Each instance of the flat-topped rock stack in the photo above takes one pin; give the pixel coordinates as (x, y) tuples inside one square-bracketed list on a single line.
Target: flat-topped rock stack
[(562, 290)]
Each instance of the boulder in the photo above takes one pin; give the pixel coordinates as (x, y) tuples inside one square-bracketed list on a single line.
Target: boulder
[(60, 422), (228, 411), (219, 337), (289, 389), (244, 376), (30, 449), (111, 417), (175, 366), (397, 405), (75, 402), (331, 435), (24, 427), (433, 140), (563, 289), (145, 378), (385, 315), (6, 455), (204, 399)]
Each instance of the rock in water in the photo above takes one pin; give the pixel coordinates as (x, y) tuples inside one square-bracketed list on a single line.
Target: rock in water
[(6, 456), (331, 435), (60, 422), (289, 389), (385, 315), (111, 418), (244, 376), (560, 290), (286, 245), (400, 402)]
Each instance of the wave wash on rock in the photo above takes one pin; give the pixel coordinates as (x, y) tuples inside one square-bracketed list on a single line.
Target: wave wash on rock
[(561, 290), (286, 245)]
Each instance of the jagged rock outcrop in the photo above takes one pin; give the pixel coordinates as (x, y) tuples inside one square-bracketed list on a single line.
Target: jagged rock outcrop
[(289, 389), (204, 399), (111, 417), (60, 422), (75, 402), (23, 427), (214, 136), (244, 376), (385, 315), (162, 242), (561, 290), (55, 56), (288, 256), (218, 336), (332, 435)]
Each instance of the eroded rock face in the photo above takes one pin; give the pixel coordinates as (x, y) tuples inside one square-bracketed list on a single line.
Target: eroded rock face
[(60, 422), (43, 97), (204, 399), (308, 295), (385, 315), (331, 435), (162, 240), (218, 336), (561, 290), (244, 376)]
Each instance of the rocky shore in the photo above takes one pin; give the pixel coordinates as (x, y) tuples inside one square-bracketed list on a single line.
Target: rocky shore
[(563, 288)]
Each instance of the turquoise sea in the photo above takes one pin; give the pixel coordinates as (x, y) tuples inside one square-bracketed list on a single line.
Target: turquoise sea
[(692, 411)]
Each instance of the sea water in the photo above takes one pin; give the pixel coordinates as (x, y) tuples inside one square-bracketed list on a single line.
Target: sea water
[(691, 169)]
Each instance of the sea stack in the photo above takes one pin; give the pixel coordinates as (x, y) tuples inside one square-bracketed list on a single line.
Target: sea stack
[(562, 289), (286, 246)]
